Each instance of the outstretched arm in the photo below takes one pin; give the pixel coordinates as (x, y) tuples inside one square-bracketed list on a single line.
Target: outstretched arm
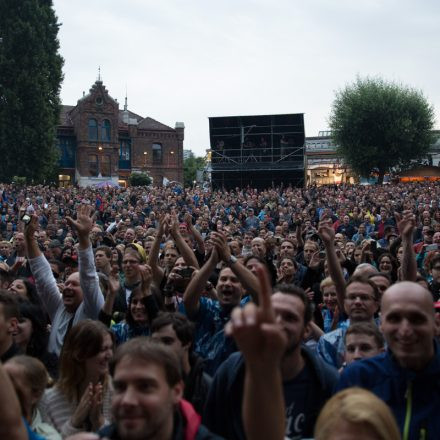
[(153, 256), (197, 284), (186, 252), (327, 234), (263, 343), (89, 281), (195, 233), (406, 224), (246, 277)]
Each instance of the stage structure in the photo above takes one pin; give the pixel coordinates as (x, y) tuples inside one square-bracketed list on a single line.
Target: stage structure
[(259, 151)]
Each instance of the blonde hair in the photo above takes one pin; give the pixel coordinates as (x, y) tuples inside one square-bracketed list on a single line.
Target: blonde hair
[(326, 282), (357, 406)]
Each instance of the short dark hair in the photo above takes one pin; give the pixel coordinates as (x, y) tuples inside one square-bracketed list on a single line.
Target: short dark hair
[(144, 349), (107, 251), (183, 327), (291, 289), (368, 329), (364, 280)]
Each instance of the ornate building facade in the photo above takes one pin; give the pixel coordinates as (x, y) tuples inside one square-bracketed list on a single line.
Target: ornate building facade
[(99, 142)]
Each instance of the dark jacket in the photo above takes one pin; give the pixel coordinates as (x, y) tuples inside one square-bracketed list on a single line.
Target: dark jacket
[(412, 396), (197, 384), (223, 408), (187, 426)]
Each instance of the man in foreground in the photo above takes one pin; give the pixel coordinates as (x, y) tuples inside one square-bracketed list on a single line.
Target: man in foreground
[(406, 377)]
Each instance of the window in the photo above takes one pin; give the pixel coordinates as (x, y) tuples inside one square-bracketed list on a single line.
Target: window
[(106, 166), (93, 165), (93, 130), (105, 130), (124, 151), (157, 153)]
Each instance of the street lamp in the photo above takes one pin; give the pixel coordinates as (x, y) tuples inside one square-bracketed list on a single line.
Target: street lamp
[(145, 159)]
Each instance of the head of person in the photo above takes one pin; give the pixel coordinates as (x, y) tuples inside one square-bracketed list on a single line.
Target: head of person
[(19, 242), (361, 300), (103, 257), (259, 247), (382, 281), (356, 413), (25, 289), (252, 262), (72, 293), (9, 318), (229, 288), (136, 312), (174, 330), (288, 249), (170, 256), (5, 249), (293, 312), (364, 270), (408, 324), (310, 248), (29, 378), (362, 340), (129, 235), (235, 247), (386, 263), (434, 268), (329, 296), (31, 334), (357, 254), (134, 255), (147, 381), (85, 357), (288, 267)]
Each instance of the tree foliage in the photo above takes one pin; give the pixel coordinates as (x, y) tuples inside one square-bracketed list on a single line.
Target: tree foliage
[(378, 125), (30, 80), (190, 167), (139, 179)]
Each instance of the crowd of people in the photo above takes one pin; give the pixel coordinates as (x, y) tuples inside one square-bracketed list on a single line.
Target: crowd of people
[(185, 313)]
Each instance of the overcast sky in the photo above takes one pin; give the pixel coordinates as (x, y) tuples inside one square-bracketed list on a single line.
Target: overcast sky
[(189, 60)]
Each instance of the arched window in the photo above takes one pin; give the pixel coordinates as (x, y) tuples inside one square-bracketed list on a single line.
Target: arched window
[(93, 165), (106, 166), (105, 130), (93, 130), (157, 153)]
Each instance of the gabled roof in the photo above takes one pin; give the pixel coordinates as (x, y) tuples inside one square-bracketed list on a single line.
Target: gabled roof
[(64, 115), (131, 115), (152, 124)]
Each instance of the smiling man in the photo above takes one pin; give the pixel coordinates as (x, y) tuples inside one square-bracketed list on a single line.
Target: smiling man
[(147, 400), (81, 297), (406, 377)]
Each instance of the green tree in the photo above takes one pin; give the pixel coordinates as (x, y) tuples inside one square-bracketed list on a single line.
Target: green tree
[(190, 166), (139, 179), (378, 125), (30, 80)]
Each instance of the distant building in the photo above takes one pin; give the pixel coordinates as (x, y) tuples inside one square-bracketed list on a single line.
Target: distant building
[(325, 166), (187, 154), (100, 142)]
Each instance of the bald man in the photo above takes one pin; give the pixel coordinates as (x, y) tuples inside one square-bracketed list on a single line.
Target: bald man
[(407, 376)]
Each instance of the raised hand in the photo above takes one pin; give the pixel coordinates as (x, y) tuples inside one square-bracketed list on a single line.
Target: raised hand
[(84, 221), (219, 242), (31, 228), (326, 231), (261, 340), (406, 223)]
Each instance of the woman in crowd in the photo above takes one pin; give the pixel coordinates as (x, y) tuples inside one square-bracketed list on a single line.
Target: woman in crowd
[(355, 413), (81, 398), (30, 379)]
